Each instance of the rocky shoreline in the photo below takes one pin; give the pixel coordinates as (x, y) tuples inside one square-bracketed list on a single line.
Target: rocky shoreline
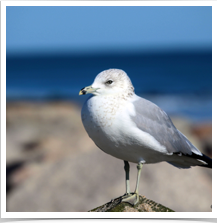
[(52, 165)]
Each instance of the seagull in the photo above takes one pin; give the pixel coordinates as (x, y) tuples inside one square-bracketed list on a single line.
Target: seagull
[(134, 129)]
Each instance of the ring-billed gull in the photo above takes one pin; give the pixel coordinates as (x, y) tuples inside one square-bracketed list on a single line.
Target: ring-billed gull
[(134, 129)]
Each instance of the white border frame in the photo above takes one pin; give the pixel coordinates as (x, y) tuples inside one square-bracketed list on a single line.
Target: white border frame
[(3, 108)]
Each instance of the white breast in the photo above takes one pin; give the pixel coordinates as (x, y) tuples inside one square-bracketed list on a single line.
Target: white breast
[(104, 120)]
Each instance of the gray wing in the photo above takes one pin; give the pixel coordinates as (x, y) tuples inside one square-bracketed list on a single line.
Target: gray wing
[(153, 120)]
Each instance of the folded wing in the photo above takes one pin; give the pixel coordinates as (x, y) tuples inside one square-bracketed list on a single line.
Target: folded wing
[(153, 120)]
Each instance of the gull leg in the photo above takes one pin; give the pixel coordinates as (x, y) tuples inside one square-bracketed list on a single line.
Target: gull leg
[(127, 171), (133, 199), (139, 168), (127, 180)]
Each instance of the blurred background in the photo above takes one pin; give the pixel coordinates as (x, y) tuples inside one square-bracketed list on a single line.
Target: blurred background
[(53, 52)]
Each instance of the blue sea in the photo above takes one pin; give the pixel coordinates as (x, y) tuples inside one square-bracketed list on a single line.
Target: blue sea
[(180, 82)]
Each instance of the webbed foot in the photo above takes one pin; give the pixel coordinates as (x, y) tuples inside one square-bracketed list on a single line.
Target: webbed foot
[(132, 198)]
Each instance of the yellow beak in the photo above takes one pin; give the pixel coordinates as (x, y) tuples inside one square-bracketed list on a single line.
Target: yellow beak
[(87, 90)]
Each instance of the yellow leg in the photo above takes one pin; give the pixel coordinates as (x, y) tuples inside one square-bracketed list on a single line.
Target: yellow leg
[(133, 198)]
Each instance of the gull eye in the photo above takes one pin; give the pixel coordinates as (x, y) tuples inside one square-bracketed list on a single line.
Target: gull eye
[(109, 82)]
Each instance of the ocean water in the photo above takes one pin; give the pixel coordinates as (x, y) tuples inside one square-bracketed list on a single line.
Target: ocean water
[(180, 82)]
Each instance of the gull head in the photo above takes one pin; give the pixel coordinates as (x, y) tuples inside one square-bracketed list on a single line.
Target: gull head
[(110, 82)]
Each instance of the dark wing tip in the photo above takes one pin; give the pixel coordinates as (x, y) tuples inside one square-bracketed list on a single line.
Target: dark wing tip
[(204, 158), (207, 160)]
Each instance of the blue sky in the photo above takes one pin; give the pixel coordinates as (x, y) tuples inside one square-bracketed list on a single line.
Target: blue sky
[(89, 29)]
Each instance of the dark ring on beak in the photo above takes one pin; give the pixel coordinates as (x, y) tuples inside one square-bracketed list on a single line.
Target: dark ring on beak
[(82, 91)]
